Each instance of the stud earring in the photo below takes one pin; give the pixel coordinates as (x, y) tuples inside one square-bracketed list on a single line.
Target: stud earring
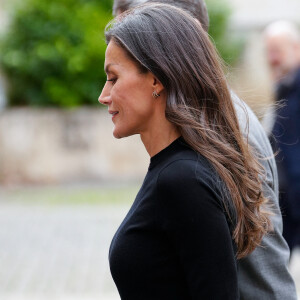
[(155, 95)]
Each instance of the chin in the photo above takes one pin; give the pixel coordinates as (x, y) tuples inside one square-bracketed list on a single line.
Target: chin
[(120, 135), (117, 136), (120, 132)]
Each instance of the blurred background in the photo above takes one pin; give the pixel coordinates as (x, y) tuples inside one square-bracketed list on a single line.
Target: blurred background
[(65, 182)]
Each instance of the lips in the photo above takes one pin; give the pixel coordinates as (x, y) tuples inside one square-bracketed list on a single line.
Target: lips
[(113, 113)]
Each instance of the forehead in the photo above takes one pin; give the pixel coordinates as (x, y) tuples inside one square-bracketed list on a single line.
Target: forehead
[(117, 57), (279, 43), (114, 53)]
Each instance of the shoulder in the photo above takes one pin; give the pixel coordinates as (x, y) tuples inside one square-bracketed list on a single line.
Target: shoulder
[(186, 165), (256, 137), (189, 178), (250, 126)]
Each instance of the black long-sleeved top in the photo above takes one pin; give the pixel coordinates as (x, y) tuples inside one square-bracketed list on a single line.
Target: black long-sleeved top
[(175, 242)]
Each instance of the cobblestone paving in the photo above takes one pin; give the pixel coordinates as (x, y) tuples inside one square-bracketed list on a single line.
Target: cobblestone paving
[(60, 252)]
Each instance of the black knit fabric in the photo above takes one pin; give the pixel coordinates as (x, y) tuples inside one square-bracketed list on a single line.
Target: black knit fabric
[(175, 242)]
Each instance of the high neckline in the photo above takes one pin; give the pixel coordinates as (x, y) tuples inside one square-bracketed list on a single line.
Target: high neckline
[(161, 155)]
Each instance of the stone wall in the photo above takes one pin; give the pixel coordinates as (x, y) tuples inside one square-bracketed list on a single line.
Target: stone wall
[(57, 146)]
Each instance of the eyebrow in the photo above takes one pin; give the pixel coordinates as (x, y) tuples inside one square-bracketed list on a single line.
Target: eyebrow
[(107, 67)]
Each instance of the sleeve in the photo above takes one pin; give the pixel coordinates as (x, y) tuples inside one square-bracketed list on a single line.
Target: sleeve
[(196, 225)]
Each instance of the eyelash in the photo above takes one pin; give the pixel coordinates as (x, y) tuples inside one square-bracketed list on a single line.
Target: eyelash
[(113, 81)]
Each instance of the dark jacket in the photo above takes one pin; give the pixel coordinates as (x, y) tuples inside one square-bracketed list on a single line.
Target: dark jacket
[(286, 132)]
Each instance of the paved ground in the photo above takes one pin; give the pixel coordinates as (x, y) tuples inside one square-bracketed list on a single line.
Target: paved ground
[(59, 252), (56, 252)]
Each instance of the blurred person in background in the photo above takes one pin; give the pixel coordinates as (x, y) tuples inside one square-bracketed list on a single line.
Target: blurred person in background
[(282, 41), (264, 273)]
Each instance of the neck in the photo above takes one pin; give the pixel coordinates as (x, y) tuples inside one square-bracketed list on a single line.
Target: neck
[(158, 140)]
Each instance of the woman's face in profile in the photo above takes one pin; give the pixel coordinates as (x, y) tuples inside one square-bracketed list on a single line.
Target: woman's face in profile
[(127, 93)]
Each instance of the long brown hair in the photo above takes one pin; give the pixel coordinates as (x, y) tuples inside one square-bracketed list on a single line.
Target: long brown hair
[(173, 46)]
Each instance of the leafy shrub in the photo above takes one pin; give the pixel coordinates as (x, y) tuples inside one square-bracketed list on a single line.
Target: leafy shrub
[(228, 46), (53, 53)]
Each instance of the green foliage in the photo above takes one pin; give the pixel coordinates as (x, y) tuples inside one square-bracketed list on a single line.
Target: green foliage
[(53, 53), (219, 14)]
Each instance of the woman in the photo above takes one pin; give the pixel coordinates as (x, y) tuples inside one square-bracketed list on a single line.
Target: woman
[(200, 206)]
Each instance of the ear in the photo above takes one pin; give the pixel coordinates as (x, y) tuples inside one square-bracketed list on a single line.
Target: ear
[(157, 85)]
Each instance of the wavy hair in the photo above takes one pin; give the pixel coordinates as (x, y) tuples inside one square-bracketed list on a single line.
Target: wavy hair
[(168, 42)]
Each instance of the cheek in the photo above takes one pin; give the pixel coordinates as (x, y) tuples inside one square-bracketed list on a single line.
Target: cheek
[(138, 111), (291, 59), (134, 96), (119, 94)]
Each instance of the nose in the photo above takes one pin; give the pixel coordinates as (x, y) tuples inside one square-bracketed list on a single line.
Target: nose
[(104, 97)]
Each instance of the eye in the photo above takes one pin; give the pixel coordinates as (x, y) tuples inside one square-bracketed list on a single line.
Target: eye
[(113, 80)]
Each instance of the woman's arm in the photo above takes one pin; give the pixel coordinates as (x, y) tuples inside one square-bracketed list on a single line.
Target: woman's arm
[(194, 221)]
